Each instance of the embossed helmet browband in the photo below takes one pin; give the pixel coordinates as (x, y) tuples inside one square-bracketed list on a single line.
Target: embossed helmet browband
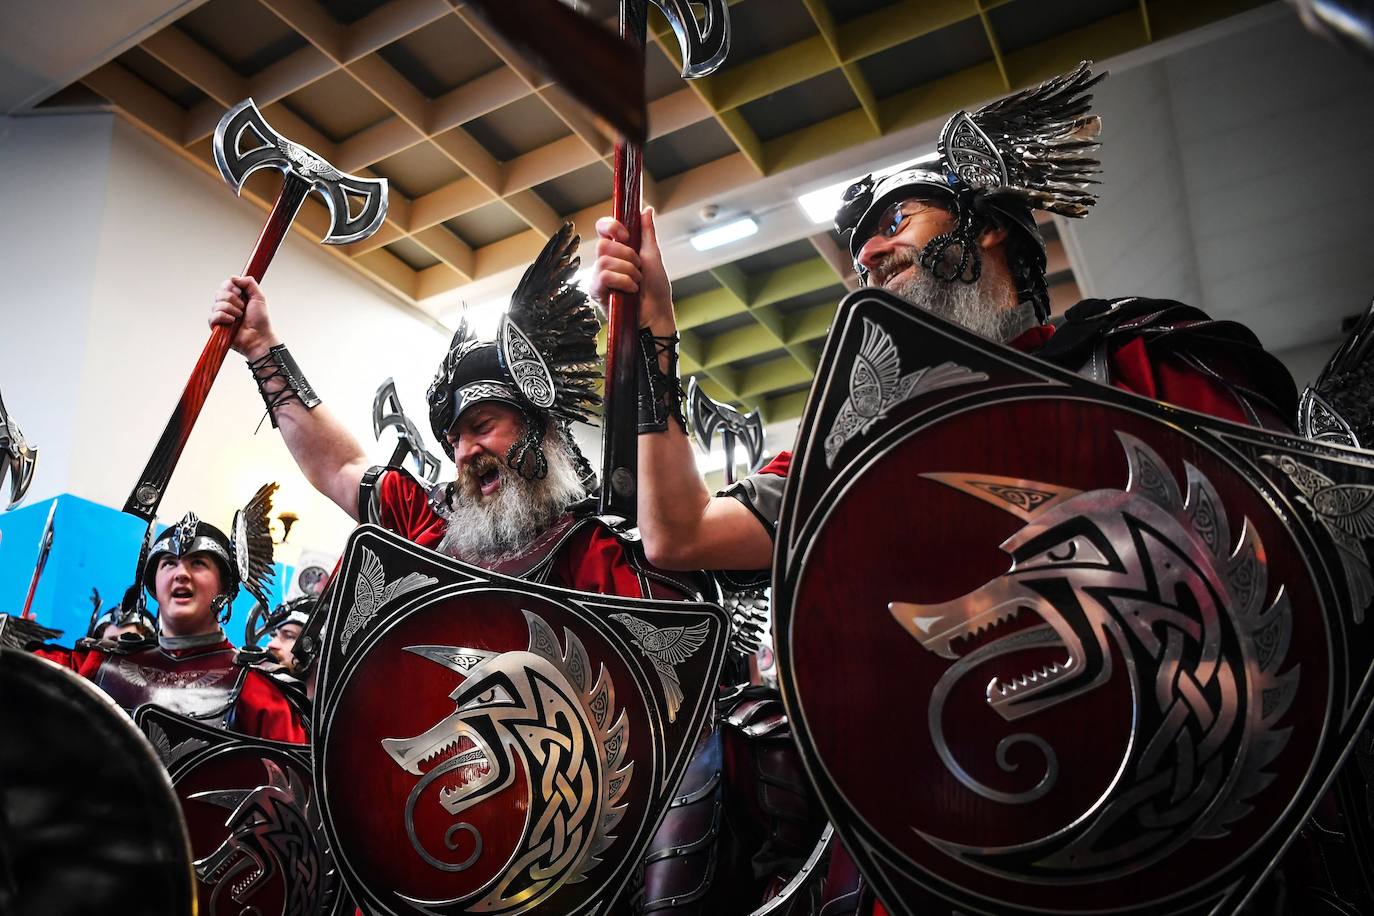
[(543, 361), (1029, 151), (245, 561)]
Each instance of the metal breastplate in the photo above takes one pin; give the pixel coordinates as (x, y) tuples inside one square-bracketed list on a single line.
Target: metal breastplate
[(203, 686)]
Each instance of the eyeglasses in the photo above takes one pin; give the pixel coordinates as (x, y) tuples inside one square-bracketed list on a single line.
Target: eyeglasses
[(894, 217)]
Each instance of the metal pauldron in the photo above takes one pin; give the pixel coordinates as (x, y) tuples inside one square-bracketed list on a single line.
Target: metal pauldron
[(660, 392), (278, 363)]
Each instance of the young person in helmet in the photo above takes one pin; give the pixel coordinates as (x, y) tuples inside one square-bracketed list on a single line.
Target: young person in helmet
[(130, 616), (514, 506), (194, 572), (954, 234)]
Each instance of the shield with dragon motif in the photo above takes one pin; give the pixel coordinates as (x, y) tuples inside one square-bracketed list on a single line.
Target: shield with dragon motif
[(488, 745), (253, 818), (1052, 648)]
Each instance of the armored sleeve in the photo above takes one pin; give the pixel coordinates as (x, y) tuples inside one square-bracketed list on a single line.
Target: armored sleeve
[(761, 492)]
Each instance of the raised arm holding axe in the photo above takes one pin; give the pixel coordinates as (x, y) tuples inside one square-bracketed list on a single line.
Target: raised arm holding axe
[(357, 207)]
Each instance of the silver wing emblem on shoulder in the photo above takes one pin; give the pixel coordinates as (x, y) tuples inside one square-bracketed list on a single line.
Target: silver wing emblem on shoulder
[(665, 648), (876, 385), (1346, 511), (372, 591)]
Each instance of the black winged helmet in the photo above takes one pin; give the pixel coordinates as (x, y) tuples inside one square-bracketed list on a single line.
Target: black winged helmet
[(1032, 150), (543, 361), (245, 561)]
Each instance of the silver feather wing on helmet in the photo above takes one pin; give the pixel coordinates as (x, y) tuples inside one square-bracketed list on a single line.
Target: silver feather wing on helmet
[(253, 543), (547, 340), (1036, 144)]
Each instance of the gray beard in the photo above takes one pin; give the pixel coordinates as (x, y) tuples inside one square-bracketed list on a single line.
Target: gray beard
[(977, 306), (487, 530)]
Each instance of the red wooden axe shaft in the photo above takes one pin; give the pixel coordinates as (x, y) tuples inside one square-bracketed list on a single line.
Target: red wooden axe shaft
[(152, 483), (620, 422)]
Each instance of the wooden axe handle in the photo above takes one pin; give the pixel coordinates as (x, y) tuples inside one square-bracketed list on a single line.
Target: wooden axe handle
[(152, 483), (620, 421)]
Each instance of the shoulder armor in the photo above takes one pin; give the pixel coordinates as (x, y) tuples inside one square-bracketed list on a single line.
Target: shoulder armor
[(1086, 331), (370, 497)]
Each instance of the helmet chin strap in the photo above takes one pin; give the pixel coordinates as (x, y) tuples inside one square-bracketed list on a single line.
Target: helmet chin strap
[(526, 457), (222, 607)]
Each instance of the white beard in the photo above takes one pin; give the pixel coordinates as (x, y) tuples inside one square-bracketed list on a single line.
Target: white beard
[(976, 306), (488, 529)]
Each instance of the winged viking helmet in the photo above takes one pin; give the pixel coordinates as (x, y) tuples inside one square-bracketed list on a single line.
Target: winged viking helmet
[(543, 361), (1029, 151), (246, 561)]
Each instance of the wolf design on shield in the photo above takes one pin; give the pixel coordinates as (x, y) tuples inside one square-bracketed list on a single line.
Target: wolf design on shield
[(1157, 575), (543, 707)]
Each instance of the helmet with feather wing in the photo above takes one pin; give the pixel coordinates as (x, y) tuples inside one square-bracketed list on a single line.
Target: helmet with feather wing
[(1032, 150), (543, 361)]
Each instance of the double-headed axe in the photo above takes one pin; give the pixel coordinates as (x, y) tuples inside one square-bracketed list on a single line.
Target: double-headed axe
[(707, 416), (17, 457), (244, 143), (388, 414), (608, 77)]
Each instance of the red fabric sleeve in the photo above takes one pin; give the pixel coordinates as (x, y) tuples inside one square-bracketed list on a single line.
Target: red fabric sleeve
[(84, 662), (595, 562), (262, 711), (1173, 381), (404, 509), (779, 466)]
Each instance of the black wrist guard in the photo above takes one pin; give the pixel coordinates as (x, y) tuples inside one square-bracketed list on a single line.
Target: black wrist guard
[(278, 363), (660, 393)]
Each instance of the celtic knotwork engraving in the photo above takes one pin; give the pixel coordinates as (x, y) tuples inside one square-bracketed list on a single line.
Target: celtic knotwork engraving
[(372, 592), (1143, 574), (526, 365), (539, 712), (1317, 420), (1346, 511), (274, 830), (876, 385)]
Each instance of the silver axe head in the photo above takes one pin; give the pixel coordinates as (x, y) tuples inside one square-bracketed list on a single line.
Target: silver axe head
[(388, 414), (17, 458), (245, 142), (707, 416), (704, 42)]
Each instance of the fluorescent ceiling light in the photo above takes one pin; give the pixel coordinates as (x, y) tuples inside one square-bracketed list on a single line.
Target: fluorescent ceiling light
[(820, 205), (732, 231), (482, 318)]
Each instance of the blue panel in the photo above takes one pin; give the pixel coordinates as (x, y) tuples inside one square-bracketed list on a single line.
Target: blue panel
[(94, 546)]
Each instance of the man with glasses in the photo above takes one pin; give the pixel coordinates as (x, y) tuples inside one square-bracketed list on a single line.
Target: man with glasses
[(954, 234)]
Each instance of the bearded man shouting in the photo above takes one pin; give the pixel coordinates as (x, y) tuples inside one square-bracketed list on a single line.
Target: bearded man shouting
[(502, 411)]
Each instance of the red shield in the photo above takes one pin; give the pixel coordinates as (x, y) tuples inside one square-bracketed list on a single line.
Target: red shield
[(488, 745), (253, 818), (1049, 647)]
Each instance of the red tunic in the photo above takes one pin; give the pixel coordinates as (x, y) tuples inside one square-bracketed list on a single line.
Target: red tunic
[(260, 710), (593, 560)]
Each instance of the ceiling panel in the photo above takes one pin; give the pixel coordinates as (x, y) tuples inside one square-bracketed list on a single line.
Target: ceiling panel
[(441, 56), (243, 33), (396, 113), (519, 127)]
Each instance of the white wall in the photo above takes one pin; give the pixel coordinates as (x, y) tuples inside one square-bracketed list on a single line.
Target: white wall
[(1234, 180), (111, 310), (52, 189)]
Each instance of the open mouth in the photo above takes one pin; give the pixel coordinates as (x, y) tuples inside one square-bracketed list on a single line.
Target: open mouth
[(489, 481), (458, 763), (182, 592), (232, 864)]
